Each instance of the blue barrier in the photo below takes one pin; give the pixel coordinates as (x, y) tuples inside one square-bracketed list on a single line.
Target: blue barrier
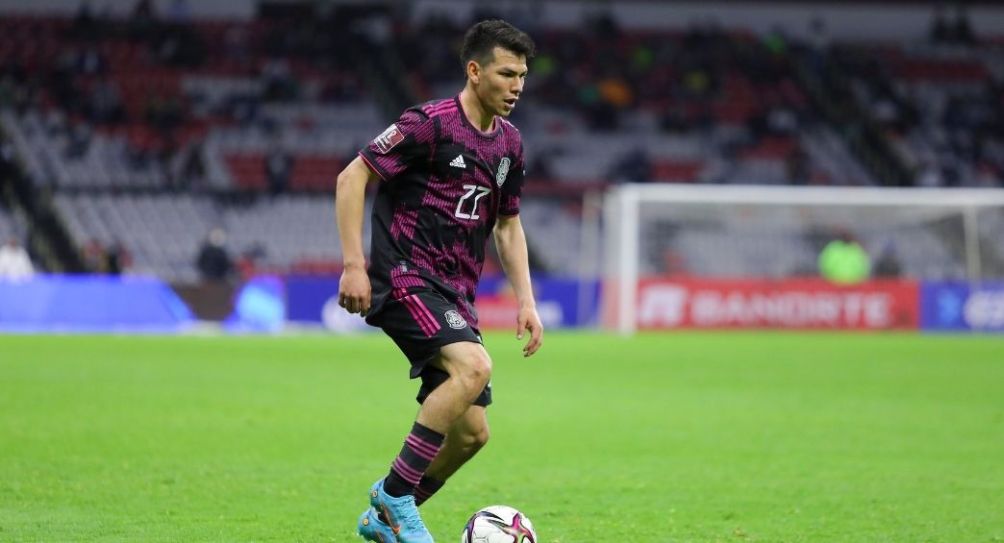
[(70, 303), (954, 306), (561, 302), (260, 306), (564, 302)]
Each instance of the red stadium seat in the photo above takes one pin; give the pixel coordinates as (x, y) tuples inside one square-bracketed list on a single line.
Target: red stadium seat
[(248, 171)]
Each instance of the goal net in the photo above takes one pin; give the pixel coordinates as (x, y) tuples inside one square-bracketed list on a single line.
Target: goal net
[(770, 236)]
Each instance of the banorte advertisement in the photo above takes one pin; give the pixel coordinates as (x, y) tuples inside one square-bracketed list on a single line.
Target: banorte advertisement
[(787, 304)]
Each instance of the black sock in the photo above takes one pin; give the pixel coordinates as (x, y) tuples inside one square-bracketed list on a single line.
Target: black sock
[(420, 447), (426, 488)]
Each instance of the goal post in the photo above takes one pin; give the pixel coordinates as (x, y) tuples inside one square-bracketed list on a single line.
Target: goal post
[(776, 232)]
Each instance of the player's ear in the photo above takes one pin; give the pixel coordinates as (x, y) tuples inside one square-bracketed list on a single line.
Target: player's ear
[(473, 71)]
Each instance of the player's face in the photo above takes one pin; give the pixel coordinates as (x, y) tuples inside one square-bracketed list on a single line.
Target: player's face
[(501, 81)]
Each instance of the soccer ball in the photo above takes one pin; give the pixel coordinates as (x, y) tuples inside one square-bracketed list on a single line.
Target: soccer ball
[(499, 524)]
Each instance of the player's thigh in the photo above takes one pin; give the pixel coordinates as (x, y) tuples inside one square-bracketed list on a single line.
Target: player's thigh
[(467, 364), (421, 322)]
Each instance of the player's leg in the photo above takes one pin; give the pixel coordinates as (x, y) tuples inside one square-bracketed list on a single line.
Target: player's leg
[(469, 369), (466, 437), (459, 355)]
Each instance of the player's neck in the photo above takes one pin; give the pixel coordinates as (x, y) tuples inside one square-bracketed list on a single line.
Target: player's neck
[(479, 117)]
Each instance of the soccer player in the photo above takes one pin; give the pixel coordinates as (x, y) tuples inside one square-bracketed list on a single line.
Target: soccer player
[(450, 172)]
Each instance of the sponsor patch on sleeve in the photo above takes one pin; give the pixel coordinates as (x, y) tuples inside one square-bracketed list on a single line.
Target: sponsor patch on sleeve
[(388, 139)]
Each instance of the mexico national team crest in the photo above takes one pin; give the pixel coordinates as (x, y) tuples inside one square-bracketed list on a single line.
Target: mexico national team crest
[(388, 139), (503, 171), (454, 319)]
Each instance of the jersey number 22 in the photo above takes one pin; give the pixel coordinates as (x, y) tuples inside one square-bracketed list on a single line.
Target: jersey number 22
[(477, 193)]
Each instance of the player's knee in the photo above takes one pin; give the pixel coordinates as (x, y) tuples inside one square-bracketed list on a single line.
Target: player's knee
[(476, 371), (470, 365)]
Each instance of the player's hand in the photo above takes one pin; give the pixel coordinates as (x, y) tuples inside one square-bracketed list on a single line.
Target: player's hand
[(354, 290), (529, 321)]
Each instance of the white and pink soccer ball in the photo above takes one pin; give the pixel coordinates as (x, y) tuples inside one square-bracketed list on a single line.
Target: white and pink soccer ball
[(499, 524)]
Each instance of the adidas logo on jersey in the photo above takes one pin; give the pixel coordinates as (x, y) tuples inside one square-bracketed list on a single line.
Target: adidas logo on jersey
[(459, 162)]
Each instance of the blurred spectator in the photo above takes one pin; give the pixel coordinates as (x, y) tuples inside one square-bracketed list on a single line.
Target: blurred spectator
[(78, 141), (235, 44), (844, 261), (94, 257), (249, 261), (277, 77), (958, 31), (616, 92), (8, 161), (242, 108), (986, 176), (85, 25), (940, 32), (105, 104), (278, 168), (929, 175), (190, 167), (819, 35), (142, 20), (117, 259), (962, 32), (540, 166), (80, 61), (15, 264), (798, 166), (179, 45), (887, 265), (782, 121), (603, 25), (697, 83), (213, 261), (633, 167), (163, 113), (602, 115), (674, 121), (885, 111)]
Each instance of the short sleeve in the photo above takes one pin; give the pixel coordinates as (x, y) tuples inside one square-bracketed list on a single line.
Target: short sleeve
[(512, 188), (405, 144)]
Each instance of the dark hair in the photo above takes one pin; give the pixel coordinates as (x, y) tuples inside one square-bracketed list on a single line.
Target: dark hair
[(482, 38)]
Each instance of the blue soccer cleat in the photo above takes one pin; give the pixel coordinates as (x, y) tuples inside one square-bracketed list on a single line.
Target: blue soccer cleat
[(402, 517), (371, 528), (375, 494)]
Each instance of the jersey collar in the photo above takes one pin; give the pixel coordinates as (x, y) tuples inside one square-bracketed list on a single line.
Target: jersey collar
[(496, 122)]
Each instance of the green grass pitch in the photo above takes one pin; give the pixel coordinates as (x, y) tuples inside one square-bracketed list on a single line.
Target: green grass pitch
[(704, 437)]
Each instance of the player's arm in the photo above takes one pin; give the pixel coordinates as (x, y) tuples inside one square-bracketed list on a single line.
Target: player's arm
[(350, 197), (511, 243)]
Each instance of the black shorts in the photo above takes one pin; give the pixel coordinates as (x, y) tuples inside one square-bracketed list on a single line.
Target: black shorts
[(421, 322)]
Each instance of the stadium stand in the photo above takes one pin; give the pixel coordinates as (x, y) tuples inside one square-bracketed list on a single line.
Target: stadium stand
[(151, 130), (149, 155), (940, 105), (701, 105)]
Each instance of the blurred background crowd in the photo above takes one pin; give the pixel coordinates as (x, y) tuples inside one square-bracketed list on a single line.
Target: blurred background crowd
[(151, 139)]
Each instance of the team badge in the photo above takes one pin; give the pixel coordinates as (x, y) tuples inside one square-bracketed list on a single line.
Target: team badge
[(503, 171), (455, 320), (388, 139)]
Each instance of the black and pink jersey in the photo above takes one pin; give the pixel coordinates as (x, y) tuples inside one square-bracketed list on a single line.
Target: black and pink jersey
[(444, 185)]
